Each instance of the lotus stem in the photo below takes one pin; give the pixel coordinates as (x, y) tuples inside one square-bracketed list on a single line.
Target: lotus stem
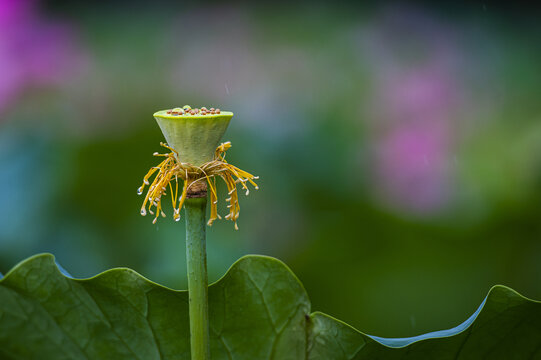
[(196, 255)]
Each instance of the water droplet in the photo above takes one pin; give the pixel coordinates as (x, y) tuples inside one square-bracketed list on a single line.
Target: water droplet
[(154, 221), (146, 182), (143, 212), (140, 191), (177, 218)]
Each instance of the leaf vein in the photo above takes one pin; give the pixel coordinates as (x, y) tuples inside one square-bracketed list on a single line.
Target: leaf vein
[(112, 327)]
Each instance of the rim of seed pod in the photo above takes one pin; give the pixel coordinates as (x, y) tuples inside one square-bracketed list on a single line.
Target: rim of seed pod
[(188, 112)]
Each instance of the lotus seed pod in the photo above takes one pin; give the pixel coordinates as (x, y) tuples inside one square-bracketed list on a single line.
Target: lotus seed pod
[(194, 138)]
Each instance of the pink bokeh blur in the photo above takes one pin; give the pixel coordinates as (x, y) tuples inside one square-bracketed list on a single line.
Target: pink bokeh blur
[(34, 51)]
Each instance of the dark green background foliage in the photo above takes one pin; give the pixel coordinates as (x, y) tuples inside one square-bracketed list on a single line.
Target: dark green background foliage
[(398, 146), (258, 310)]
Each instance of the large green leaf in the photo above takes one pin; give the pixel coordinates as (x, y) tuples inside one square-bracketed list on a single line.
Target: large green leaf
[(258, 310)]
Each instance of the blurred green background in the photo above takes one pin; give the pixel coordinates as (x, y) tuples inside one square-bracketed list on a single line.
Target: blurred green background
[(398, 145)]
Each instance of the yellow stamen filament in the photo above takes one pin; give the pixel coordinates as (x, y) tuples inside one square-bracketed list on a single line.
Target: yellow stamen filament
[(171, 169)]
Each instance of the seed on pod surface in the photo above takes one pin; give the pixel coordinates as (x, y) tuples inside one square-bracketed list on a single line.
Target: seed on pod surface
[(187, 110)]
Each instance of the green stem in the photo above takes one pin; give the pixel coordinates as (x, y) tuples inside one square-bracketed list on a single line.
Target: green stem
[(196, 256)]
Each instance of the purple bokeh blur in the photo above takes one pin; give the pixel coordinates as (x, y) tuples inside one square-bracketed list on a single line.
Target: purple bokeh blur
[(414, 110), (34, 51)]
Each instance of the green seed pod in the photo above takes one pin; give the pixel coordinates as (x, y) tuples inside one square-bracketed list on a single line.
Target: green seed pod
[(194, 138)]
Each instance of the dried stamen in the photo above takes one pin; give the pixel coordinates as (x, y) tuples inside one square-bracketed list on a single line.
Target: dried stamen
[(171, 169)]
